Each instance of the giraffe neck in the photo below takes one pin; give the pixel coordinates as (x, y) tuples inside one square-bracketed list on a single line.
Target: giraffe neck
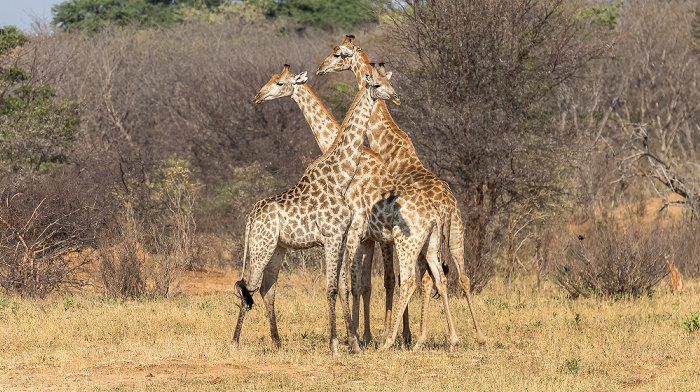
[(322, 123), (392, 144), (360, 65), (340, 162), (384, 136)]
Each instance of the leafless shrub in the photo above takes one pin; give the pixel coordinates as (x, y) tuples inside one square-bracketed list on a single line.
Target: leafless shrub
[(686, 249), (638, 110), (609, 260), (120, 268), (479, 263), (46, 235), (305, 260)]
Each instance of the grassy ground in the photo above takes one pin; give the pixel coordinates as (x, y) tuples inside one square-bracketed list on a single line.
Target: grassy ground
[(538, 341)]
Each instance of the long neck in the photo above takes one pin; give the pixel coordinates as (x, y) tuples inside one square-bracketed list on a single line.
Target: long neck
[(391, 143), (323, 124), (340, 162), (360, 65), (384, 136)]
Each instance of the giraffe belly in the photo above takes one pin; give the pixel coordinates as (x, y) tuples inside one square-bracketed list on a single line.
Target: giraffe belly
[(299, 235)]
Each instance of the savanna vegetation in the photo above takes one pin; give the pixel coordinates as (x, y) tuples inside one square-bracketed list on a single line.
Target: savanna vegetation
[(130, 156)]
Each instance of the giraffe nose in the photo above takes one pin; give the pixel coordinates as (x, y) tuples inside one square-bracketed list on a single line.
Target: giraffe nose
[(258, 99), (395, 99)]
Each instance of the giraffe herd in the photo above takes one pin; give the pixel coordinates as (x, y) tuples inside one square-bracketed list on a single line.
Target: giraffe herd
[(351, 198)]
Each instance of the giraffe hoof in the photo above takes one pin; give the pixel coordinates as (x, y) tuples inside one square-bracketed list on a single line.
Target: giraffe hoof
[(481, 338), (454, 342), (334, 347), (367, 339), (387, 344), (417, 347), (354, 347), (234, 345)]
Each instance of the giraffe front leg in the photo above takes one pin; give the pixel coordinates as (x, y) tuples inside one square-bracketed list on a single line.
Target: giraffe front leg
[(332, 278), (355, 288), (350, 251), (367, 250), (407, 251), (389, 286), (406, 288)]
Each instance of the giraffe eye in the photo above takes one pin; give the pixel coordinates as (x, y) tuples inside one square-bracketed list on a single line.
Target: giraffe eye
[(336, 55), (280, 84)]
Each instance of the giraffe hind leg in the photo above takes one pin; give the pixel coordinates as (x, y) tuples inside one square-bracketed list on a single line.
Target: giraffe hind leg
[(260, 257), (268, 288), (440, 284)]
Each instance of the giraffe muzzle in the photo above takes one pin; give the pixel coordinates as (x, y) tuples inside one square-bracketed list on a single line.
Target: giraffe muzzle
[(395, 99), (258, 99)]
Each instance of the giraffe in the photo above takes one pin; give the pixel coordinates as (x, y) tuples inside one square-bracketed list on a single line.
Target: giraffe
[(396, 148), (311, 213), (371, 182)]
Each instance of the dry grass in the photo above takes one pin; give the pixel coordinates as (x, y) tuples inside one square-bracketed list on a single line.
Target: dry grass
[(538, 341)]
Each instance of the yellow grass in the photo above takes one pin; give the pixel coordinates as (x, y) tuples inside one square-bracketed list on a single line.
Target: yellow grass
[(538, 341)]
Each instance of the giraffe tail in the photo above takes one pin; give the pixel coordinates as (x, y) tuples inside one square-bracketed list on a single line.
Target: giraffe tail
[(247, 296), (446, 224)]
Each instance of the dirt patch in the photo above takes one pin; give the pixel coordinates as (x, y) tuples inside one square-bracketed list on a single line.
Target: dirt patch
[(208, 282)]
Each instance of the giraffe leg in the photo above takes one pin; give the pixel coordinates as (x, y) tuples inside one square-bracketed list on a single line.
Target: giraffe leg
[(407, 287), (268, 287), (389, 286), (426, 289), (440, 283), (338, 254), (332, 250), (407, 250), (259, 258), (456, 245), (360, 284), (350, 251), (367, 251)]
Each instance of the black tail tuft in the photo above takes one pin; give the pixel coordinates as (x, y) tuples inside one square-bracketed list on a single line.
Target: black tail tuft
[(445, 269), (247, 297)]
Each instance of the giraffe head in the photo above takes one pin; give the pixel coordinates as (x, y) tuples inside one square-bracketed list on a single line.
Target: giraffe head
[(377, 83), (341, 58), (280, 85)]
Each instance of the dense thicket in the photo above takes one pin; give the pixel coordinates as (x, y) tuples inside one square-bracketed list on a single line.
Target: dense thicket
[(95, 15)]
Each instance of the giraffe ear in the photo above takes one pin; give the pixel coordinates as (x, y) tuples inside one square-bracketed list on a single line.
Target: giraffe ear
[(345, 51), (388, 75), (368, 78), (301, 78)]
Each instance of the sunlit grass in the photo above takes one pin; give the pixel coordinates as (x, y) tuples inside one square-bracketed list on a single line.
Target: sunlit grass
[(539, 340)]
